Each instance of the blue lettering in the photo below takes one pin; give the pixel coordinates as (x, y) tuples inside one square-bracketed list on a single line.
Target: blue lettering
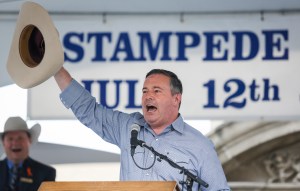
[(145, 41), (254, 96), (211, 45), (103, 93), (99, 44), (239, 42), (182, 45), (131, 95), (272, 45), (123, 45), (87, 84), (267, 88), (245, 46), (76, 48)]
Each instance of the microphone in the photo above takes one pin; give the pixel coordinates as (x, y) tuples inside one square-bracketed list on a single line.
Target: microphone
[(135, 129)]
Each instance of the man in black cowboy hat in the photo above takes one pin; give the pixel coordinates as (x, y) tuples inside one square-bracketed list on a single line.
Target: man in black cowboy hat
[(19, 172)]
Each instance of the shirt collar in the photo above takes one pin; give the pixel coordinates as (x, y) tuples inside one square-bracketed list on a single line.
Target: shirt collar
[(10, 164), (177, 125)]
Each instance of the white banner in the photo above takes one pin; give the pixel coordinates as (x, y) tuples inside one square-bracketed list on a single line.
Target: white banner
[(7, 30), (231, 66)]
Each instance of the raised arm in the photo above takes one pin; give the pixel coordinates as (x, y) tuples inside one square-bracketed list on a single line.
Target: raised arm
[(63, 78)]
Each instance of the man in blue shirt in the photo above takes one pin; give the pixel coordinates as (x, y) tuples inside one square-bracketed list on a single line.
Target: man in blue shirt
[(161, 128)]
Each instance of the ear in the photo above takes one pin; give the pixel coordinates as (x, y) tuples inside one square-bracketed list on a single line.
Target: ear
[(177, 99)]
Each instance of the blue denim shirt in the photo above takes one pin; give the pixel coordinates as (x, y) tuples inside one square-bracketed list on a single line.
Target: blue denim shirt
[(180, 142)]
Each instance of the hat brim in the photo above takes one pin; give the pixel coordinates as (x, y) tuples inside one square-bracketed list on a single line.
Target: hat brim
[(34, 132), (24, 75)]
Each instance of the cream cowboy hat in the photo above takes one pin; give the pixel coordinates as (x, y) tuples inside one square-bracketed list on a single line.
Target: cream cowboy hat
[(18, 124), (36, 53)]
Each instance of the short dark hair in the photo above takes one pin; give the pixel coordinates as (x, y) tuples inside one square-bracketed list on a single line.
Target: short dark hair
[(175, 83), (3, 135)]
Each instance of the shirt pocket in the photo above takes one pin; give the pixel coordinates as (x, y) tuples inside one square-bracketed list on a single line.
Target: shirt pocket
[(179, 158), (138, 158)]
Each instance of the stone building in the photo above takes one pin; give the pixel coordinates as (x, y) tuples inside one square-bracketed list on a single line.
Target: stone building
[(260, 155)]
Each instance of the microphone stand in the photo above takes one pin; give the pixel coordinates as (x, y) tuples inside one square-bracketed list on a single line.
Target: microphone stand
[(190, 177)]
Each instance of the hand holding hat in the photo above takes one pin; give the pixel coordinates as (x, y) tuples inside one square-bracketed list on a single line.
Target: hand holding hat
[(36, 53)]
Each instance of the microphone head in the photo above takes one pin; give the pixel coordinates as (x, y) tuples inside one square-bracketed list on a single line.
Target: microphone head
[(135, 127)]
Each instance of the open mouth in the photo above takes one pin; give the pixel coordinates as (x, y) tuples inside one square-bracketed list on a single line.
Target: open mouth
[(151, 108), (16, 150)]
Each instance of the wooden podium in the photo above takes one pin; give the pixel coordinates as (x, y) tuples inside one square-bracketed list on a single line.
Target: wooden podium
[(110, 186)]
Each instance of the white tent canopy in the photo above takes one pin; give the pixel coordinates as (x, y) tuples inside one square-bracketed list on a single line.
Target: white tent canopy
[(155, 6)]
